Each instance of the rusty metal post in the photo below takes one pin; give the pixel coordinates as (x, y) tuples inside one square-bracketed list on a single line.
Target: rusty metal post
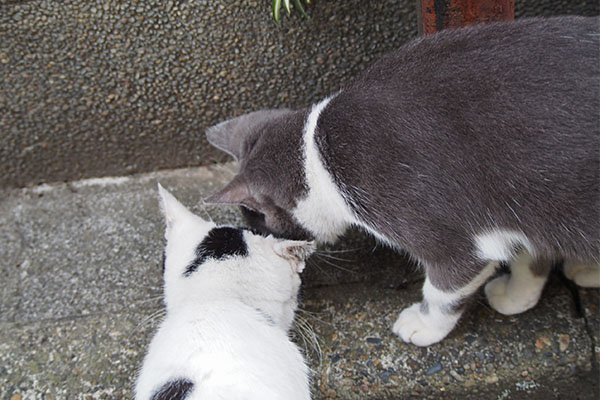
[(435, 15)]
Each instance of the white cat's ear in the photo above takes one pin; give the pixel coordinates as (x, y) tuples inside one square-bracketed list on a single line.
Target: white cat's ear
[(237, 192), (229, 136), (295, 251), (172, 209)]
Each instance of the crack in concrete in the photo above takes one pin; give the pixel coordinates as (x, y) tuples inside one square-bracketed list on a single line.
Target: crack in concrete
[(33, 323), (580, 312), (590, 333)]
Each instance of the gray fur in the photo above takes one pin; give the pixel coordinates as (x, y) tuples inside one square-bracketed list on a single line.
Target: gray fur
[(482, 128), (271, 175)]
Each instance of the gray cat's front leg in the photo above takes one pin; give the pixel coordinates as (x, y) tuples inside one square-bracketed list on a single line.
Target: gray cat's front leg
[(431, 320)]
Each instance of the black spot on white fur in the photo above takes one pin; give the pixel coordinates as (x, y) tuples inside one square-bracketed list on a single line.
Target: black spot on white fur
[(220, 243), (174, 390), (266, 316)]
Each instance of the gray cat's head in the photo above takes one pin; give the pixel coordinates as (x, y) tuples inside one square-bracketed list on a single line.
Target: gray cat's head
[(267, 145)]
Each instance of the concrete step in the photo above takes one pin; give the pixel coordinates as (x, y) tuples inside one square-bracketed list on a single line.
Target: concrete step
[(81, 295)]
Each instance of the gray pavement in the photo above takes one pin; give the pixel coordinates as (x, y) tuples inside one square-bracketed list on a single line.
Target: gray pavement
[(81, 295)]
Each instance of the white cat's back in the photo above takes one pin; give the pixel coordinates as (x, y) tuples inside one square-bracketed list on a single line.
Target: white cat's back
[(227, 350)]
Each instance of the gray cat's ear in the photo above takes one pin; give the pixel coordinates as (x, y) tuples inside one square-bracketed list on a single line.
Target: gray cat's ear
[(235, 193), (229, 136), (295, 251)]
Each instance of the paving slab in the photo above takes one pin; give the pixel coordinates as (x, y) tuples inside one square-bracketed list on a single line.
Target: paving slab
[(80, 296)]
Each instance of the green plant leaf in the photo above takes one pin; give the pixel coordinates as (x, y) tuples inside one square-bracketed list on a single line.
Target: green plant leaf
[(276, 8), (299, 5), (287, 4)]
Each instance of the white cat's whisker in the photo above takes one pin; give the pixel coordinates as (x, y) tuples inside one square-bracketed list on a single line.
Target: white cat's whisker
[(149, 300), (152, 317), (308, 336), (152, 289), (204, 208), (313, 316)]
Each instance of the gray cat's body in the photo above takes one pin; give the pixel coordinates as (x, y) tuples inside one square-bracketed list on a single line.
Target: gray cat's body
[(464, 148)]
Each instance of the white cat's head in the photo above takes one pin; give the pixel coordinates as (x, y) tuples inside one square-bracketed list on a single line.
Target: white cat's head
[(205, 262)]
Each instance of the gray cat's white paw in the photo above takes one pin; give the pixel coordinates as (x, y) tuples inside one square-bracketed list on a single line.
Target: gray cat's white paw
[(584, 275), (508, 298), (415, 327)]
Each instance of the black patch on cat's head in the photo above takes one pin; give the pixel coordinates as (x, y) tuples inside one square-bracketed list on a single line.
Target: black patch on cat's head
[(220, 243), (174, 390)]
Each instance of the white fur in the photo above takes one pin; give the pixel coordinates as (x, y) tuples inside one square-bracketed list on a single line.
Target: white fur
[(323, 211), (500, 245), (424, 329), (226, 324), (517, 292), (583, 274)]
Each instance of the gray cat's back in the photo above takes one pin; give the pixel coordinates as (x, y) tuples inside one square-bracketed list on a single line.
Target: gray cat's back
[(475, 130)]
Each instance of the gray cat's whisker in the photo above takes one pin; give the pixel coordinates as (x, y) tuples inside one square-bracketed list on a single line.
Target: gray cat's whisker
[(333, 264), (314, 264), (333, 257), (225, 169), (341, 251)]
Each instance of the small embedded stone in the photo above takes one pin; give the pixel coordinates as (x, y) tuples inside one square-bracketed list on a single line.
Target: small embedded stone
[(437, 367), (563, 342)]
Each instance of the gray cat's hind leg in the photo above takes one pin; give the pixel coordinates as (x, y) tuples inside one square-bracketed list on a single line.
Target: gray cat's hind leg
[(583, 274), (520, 290), (431, 320)]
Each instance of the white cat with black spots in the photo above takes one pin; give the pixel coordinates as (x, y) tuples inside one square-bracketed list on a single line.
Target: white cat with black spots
[(230, 297)]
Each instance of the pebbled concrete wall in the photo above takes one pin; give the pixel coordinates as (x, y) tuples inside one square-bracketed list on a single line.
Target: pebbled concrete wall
[(95, 88)]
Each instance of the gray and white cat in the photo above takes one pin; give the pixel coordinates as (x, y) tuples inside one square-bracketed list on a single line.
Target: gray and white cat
[(465, 148), (230, 298)]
